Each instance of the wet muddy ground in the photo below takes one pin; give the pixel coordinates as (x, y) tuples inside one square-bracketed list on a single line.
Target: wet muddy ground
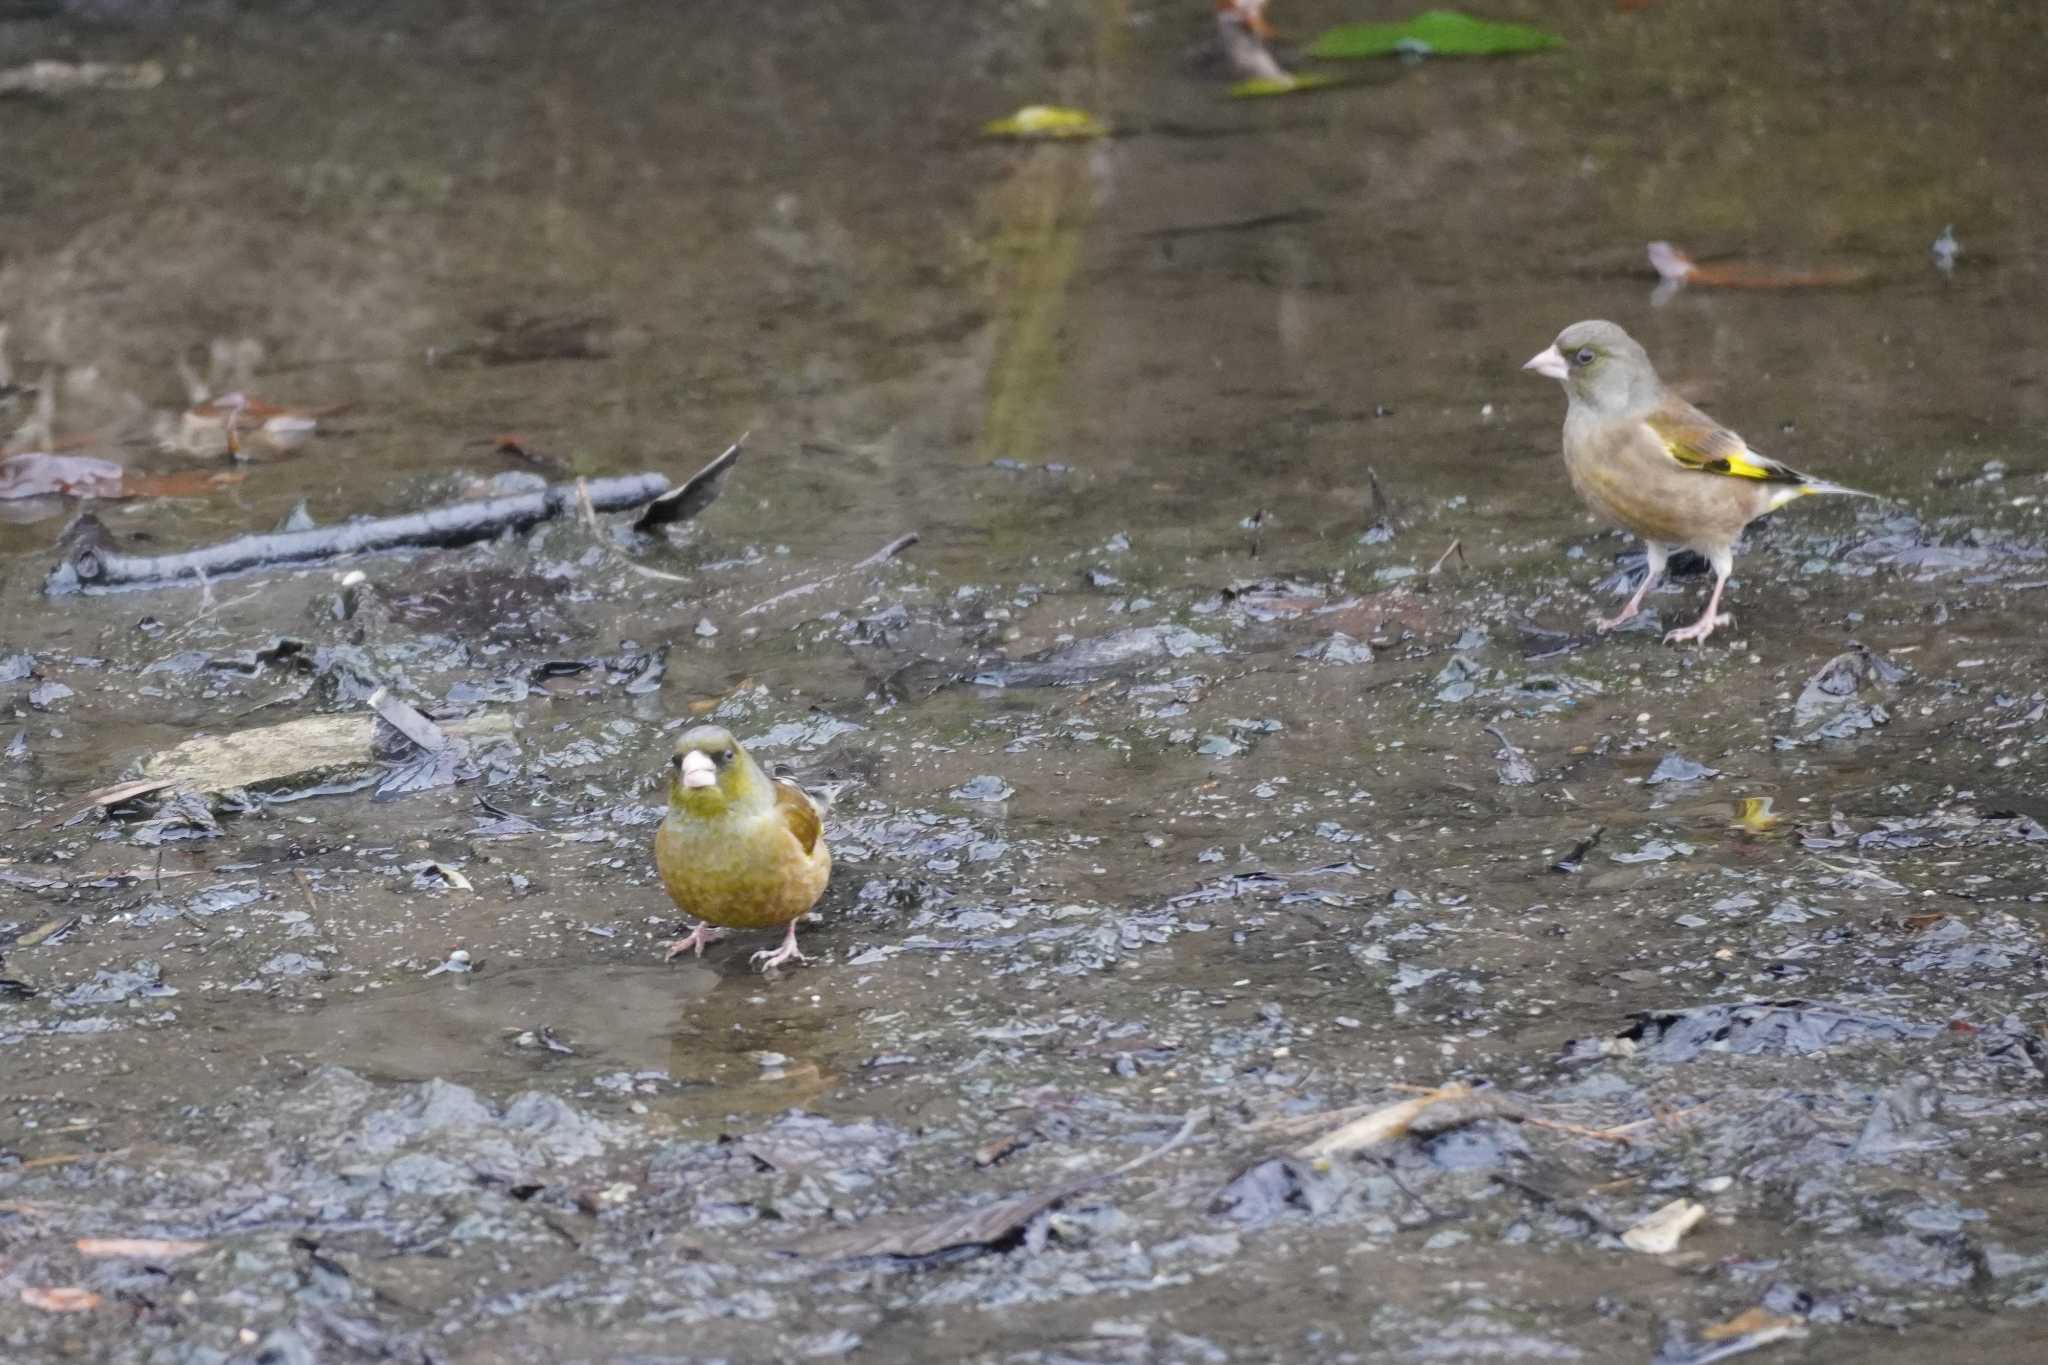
[(1193, 794)]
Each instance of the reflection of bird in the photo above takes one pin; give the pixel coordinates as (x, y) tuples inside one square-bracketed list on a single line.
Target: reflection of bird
[(1648, 461), (1242, 28), (1946, 248), (738, 849)]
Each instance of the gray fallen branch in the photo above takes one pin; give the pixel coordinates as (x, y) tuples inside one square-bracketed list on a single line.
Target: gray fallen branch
[(92, 564)]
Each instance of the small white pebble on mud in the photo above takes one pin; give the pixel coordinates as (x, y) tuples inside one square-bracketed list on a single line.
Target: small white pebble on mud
[(770, 1060), (705, 629), (1346, 1021), (1714, 1184)]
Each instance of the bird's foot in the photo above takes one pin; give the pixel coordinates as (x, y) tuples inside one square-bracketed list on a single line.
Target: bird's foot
[(1700, 629), (764, 960), (1606, 623), (693, 942)]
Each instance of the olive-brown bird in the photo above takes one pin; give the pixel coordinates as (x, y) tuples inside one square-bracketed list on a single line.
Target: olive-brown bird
[(738, 849), (1649, 462)]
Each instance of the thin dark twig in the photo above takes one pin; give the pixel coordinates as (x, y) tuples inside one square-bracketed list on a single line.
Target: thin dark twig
[(879, 557)]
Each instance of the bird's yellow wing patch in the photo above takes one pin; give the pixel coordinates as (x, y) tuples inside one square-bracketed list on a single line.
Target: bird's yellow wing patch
[(799, 813), (1698, 442)]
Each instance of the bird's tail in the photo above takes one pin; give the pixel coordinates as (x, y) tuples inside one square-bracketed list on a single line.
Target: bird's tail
[(1824, 486), (1808, 484)]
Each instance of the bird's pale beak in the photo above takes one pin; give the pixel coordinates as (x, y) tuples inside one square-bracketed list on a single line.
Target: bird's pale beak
[(1549, 362), (699, 770)]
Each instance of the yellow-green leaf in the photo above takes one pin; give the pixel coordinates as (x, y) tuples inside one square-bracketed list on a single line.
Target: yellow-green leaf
[(1435, 33), (1047, 120)]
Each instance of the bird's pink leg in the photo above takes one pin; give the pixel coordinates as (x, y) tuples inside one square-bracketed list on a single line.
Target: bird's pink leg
[(786, 953), (693, 942), (1655, 557), (1712, 617)]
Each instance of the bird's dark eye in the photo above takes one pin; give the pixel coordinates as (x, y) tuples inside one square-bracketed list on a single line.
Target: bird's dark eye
[(722, 757), (676, 761), (1584, 356)]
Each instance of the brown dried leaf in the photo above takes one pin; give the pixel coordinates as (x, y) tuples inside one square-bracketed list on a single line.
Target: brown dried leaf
[(140, 1248), (1747, 1321), (181, 483), (695, 494), (1381, 1125), (60, 1298), (1674, 265)]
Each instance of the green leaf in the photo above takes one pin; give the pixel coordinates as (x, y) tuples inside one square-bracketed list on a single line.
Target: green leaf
[(1047, 120), (1438, 33), (1262, 86)]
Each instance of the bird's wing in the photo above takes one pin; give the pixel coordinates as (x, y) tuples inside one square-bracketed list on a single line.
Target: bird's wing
[(1697, 441), (799, 813)]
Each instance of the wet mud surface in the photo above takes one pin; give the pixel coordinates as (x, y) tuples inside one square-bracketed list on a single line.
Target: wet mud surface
[(1196, 793)]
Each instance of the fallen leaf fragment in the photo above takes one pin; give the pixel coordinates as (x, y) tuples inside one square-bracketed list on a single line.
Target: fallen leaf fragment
[(181, 483), (246, 758), (408, 720), (234, 423), (38, 474), (1751, 1320), (1047, 121), (994, 1150), (60, 1299), (1754, 814), (450, 875), (1260, 86), (140, 1248), (47, 929), (1659, 1234), (1381, 1125)]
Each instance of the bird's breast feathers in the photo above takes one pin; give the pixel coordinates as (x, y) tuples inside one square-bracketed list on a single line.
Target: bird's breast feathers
[(751, 870)]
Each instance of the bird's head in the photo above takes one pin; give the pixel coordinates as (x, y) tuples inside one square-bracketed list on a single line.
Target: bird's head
[(710, 772), (1248, 14), (1599, 365)]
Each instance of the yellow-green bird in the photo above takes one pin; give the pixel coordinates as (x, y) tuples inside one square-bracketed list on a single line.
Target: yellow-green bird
[(1649, 462), (738, 849)]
